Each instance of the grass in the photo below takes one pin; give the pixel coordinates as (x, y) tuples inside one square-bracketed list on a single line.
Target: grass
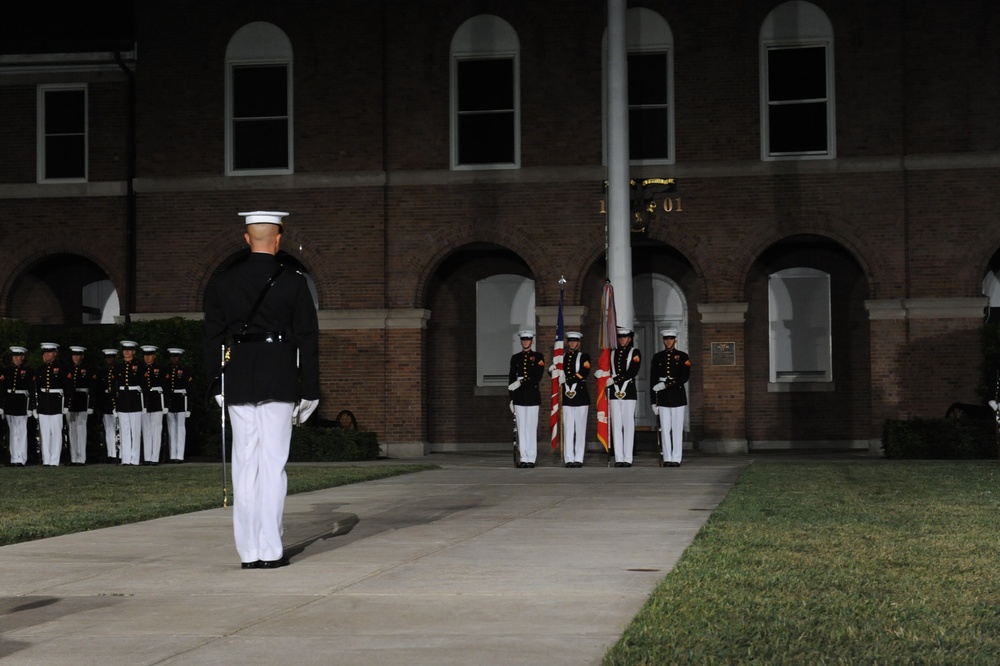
[(41, 502), (835, 563)]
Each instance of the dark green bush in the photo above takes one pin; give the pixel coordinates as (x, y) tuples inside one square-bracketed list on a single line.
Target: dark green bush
[(311, 444), (940, 439)]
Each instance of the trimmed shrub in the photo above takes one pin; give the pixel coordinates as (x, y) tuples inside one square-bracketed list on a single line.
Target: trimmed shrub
[(940, 439), (311, 444)]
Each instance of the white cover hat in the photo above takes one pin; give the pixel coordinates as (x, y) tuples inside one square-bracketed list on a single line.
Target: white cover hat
[(526, 334), (669, 333), (15, 350), (264, 217), (574, 335)]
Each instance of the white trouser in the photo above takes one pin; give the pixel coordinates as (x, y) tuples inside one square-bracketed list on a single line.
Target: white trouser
[(76, 425), (50, 429), (177, 434), (17, 427), (130, 433), (622, 428), (110, 428), (527, 431), (152, 434), (574, 433), (262, 435), (672, 432)]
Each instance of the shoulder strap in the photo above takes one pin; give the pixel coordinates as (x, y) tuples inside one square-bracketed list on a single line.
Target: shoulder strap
[(260, 298)]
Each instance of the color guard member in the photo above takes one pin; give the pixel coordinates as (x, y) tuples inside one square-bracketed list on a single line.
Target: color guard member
[(526, 369), (625, 362), (576, 400), (670, 370)]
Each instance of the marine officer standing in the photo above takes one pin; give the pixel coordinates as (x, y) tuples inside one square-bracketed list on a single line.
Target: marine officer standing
[(50, 404), (625, 361), (78, 384), (268, 313), (669, 372), (575, 400), (153, 405), (128, 403), (177, 384), (526, 369), (16, 383)]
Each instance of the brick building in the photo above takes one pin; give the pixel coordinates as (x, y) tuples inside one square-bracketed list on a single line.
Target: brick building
[(828, 253)]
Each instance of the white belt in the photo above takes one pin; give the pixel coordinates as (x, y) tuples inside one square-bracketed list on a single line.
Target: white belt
[(51, 390), (158, 389), (129, 388), (184, 391), (18, 392), (79, 390)]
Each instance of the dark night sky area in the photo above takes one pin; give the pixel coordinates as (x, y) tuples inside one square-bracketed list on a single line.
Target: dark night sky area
[(57, 27)]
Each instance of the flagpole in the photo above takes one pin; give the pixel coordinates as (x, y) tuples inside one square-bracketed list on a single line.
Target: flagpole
[(555, 414)]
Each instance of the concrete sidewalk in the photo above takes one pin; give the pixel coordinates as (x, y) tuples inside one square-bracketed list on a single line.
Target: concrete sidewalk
[(475, 563)]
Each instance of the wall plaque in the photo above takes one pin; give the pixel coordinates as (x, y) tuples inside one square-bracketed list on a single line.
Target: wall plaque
[(723, 353)]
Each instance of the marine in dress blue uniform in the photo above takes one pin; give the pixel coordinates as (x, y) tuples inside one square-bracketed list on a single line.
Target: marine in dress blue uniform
[(50, 404), (154, 406), (103, 395), (16, 385), (669, 372), (128, 403), (575, 400), (625, 362), (272, 349), (79, 381), (526, 370), (177, 386)]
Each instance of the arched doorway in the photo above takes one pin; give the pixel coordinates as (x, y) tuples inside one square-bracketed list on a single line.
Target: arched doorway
[(63, 290)]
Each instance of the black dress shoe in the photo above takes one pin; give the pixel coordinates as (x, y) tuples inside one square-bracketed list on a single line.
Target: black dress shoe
[(273, 564), (530, 465), (627, 464), (522, 465), (619, 464), (250, 565)]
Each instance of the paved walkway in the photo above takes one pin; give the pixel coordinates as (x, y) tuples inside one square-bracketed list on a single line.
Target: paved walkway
[(475, 563)]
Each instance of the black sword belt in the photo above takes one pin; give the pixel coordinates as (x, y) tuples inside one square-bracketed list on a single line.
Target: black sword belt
[(267, 336)]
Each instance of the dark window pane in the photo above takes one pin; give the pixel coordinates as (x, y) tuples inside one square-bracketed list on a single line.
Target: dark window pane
[(260, 144), (647, 78), (485, 85), (647, 134), (486, 138), (798, 128), (798, 73), (64, 156), (64, 112), (260, 92)]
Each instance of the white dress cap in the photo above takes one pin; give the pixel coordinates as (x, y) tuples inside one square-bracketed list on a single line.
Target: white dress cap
[(526, 334), (574, 335), (149, 349), (175, 351), (669, 333), (77, 350), (129, 344), (18, 350), (110, 352), (624, 330), (50, 346), (264, 217)]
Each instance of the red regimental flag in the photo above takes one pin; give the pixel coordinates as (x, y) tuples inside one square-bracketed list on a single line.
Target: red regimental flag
[(603, 364)]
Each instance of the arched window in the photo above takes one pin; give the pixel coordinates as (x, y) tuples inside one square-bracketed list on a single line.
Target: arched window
[(505, 304), (797, 84), (798, 302), (650, 44), (259, 101), (485, 95)]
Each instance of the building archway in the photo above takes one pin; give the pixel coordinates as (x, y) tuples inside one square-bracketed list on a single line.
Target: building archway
[(63, 290)]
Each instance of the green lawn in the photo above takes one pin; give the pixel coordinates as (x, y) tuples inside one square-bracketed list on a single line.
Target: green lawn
[(41, 502), (835, 563)]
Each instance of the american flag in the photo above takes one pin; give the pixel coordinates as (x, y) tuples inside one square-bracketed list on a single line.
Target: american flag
[(609, 324), (557, 379)]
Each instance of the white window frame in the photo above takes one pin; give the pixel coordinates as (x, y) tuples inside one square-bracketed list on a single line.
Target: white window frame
[(505, 304), (484, 37), (259, 44), (646, 32), (797, 24), (42, 136), (784, 366)]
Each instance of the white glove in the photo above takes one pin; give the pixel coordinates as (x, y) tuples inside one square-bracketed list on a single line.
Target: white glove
[(114, 413), (33, 413), (187, 415), (166, 409), (219, 400), (602, 373), (659, 387), (1, 413), (558, 374), (656, 409), (90, 411), (514, 385), (304, 410), (65, 410), (993, 405), (511, 406)]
